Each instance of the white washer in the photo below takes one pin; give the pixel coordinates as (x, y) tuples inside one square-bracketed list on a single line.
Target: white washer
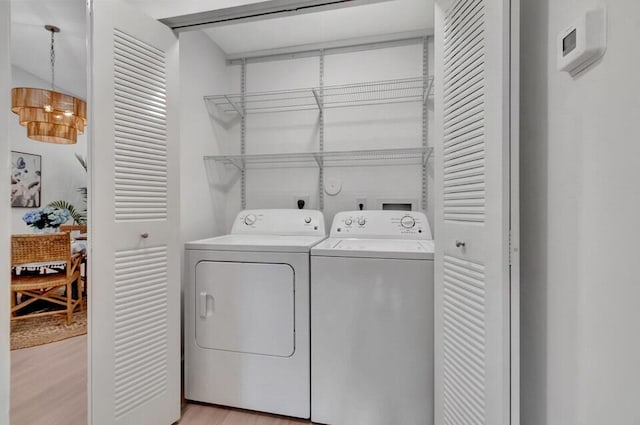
[(372, 321), (247, 313)]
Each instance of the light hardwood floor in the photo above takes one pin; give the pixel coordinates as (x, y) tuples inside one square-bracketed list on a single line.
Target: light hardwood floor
[(48, 384), (196, 414), (48, 387)]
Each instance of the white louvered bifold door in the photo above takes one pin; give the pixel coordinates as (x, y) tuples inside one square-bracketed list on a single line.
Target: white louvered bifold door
[(472, 220), (135, 275)]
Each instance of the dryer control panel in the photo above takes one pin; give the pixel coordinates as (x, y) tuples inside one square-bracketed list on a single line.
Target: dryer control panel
[(381, 225), (282, 222)]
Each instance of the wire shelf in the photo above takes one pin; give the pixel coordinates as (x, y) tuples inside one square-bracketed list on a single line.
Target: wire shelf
[(327, 159), (339, 96)]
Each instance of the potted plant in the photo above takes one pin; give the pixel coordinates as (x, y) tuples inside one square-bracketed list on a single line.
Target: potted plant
[(46, 219), (79, 216)]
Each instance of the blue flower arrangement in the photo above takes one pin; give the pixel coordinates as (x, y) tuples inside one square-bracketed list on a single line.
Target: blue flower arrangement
[(46, 217)]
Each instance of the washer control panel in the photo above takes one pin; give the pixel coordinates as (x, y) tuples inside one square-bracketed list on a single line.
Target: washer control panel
[(408, 222), (279, 222), (381, 224)]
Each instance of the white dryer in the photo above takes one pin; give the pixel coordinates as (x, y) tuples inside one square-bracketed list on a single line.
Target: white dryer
[(372, 321), (247, 313)]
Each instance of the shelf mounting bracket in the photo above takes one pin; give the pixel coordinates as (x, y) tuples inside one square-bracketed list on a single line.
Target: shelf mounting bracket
[(236, 163), (426, 155), (318, 158), (317, 96), (427, 90), (234, 106)]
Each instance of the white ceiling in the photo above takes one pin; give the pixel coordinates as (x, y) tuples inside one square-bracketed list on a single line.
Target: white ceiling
[(377, 19), (30, 41)]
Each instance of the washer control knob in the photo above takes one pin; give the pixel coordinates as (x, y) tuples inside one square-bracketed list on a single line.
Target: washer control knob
[(250, 219), (362, 221), (407, 222), (348, 222), (307, 220)]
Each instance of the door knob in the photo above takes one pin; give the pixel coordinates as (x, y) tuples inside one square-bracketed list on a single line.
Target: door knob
[(144, 235), (461, 244)]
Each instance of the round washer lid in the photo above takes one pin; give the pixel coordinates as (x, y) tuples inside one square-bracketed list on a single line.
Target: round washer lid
[(375, 248)]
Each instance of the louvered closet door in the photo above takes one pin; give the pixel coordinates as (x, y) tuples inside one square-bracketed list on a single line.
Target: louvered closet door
[(472, 293), (135, 281)]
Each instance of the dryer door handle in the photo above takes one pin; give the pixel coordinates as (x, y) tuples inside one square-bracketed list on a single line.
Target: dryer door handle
[(205, 311)]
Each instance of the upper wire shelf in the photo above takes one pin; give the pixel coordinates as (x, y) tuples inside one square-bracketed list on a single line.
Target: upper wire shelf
[(327, 159), (339, 96)]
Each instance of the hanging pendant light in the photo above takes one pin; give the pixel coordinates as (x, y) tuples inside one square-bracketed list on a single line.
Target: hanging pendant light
[(48, 115)]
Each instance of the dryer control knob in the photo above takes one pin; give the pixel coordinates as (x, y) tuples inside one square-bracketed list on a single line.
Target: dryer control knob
[(407, 222), (348, 222), (362, 221), (250, 219)]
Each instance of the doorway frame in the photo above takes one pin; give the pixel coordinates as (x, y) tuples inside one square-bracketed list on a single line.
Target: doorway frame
[(5, 212), (5, 209)]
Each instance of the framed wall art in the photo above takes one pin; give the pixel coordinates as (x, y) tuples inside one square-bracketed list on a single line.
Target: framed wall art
[(26, 180)]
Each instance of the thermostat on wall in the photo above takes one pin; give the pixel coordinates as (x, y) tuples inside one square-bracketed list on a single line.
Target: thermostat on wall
[(583, 43)]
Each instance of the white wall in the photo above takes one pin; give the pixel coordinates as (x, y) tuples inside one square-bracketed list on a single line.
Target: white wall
[(62, 174), (580, 164), (375, 127), (378, 127), (202, 71)]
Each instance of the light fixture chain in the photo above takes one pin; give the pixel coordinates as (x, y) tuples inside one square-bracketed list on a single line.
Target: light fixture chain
[(53, 62)]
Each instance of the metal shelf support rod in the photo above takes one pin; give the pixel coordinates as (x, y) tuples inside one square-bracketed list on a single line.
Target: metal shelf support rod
[(425, 124), (320, 100), (243, 133)]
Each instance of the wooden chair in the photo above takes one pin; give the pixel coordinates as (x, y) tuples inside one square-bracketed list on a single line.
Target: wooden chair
[(45, 248), (82, 228)]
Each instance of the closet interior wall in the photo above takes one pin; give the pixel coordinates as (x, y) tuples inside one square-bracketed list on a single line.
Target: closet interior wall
[(203, 200), (350, 128)]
